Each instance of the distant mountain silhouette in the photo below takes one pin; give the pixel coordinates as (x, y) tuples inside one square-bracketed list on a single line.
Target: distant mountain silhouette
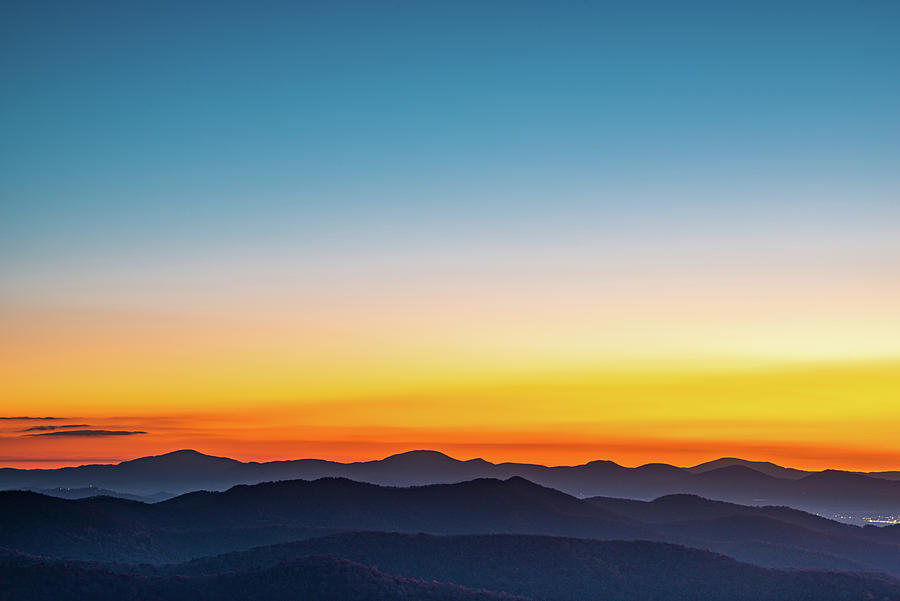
[(727, 479), (205, 523), (103, 527), (90, 491), (766, 467), (680, 507), (769, 536)]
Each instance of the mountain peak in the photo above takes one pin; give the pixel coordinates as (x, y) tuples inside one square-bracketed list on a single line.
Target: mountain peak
[(184, 453), (183, 458), (741, 472), (659, 467), (419, 456), (831, 475), (765, 467), (599, 462)]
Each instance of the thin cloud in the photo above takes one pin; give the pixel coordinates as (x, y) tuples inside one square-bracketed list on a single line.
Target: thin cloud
[(90, 433), (37, 428), (24, 417)]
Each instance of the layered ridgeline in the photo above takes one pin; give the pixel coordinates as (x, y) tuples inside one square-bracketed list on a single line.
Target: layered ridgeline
[(209, 523), (830, 492), (318, 578), (426, 567)]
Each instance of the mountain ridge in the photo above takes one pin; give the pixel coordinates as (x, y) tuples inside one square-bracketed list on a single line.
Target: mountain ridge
[(829, 492), (457, 567), (206, 523)]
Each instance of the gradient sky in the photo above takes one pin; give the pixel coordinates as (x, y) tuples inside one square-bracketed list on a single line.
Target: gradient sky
[(542, 231)]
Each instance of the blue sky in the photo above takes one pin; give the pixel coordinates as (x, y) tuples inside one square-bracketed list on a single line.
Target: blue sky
[(455, 138)]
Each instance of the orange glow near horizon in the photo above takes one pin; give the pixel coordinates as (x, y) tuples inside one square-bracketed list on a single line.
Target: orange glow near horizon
[(548, 379), (807, 415)]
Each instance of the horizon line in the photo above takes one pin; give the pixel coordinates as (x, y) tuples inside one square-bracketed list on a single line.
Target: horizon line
[(5, 466)]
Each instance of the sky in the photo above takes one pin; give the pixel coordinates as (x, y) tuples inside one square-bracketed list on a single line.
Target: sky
[(523, 231)]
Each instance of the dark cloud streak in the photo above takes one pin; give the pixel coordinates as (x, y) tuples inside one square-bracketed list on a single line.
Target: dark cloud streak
[(90, 433), (24, 417)]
